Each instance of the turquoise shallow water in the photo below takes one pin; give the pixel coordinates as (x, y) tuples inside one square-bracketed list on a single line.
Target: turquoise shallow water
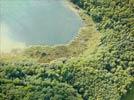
[(38, 21)]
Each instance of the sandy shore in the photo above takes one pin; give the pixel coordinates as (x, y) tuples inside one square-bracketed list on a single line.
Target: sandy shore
[(72, 7), (6, 43)]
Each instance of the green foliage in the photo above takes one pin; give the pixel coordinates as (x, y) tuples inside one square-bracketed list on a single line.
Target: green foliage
[(105, 72)]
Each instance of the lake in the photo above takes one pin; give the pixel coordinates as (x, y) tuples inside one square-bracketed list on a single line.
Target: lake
[(37, 22)]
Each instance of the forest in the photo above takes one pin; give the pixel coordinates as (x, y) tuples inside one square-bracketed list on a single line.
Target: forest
[(100, 68)]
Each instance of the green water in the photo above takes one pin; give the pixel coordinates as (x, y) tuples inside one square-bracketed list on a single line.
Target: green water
[(38, 21), (129, 95)]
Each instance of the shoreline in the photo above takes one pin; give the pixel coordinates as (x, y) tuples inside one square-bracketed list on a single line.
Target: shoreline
[(72, 7), (87, 37), (8, 45), (75, 47)]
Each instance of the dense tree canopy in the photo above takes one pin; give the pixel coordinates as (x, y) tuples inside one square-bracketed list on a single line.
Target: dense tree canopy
[(105, 74)]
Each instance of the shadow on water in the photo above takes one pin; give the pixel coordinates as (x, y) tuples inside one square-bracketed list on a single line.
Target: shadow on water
[(129, 95)]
